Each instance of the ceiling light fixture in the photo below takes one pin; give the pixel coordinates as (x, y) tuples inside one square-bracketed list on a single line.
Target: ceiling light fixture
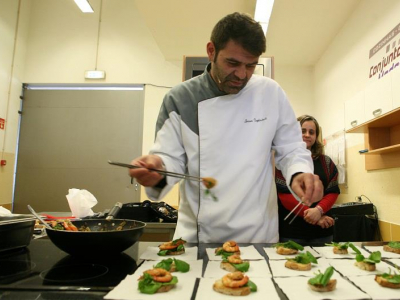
[(84, 6), (263, 13)]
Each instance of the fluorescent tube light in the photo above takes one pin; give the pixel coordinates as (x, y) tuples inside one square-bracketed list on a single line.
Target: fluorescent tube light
[(263, 13), (84, 6), (95, 74), (93, 87)]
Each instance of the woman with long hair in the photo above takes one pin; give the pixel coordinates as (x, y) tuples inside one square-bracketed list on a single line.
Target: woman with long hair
[(313, 224)]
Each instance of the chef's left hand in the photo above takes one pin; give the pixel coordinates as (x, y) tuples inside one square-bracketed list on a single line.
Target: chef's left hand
[(308, 187)]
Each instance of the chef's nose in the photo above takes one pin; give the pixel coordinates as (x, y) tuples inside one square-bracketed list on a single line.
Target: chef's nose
[(241, 72)]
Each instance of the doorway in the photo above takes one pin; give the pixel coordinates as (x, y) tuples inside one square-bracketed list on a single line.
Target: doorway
[(67, 135)]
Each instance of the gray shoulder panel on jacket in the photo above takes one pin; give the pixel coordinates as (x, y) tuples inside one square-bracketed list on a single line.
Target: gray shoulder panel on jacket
[(184, 98)]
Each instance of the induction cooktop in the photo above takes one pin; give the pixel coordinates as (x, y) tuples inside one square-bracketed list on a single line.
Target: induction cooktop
[(45, 271)]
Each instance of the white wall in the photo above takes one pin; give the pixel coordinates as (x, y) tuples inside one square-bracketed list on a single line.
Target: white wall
[(14, 21), (62, 45), (297, 81), (341, 73), (57, 43)]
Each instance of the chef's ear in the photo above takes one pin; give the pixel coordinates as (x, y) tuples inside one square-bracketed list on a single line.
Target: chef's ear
[(211, 51)]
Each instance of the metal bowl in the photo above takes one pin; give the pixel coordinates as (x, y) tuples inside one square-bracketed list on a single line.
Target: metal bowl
[(16, 231), (103, 238)]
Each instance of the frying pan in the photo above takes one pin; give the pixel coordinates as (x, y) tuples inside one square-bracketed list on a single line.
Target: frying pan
[(102, 239)]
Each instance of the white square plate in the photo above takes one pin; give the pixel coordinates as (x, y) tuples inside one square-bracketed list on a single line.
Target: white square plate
[(272, 255), (127, 289), (327, 252), (196, 268), (151, 254), (384, 254), (347, 267), (258, 268), (279, 270), (297, 288), (265, 290), (373, 289), (247, 253)]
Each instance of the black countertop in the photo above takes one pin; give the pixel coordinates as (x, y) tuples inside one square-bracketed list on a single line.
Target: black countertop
[(42, 271)]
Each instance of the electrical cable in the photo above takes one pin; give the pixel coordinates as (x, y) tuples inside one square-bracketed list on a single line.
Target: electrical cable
[(375, 216)]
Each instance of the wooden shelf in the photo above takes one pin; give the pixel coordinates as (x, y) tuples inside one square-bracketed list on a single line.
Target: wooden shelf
[(389, 119), (384, 150), (382, 139)]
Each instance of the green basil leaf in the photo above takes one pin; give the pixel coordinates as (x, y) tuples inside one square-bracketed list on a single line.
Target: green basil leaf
[(303, 258), (322, 279), (243, 267), (317, 279), (294, 245), (339, 245), (224, 254), (174, 280), (174, 242), (311, 258), (392, 278), (395, 245), (219, 251), (369, 261), (290, 245), (162, 252), (252, 286), (360, 257), (164, 264), (147, 285), (355, 249), (181, 266), (375, 256), (327, 276), (215, 198), (332, 244)]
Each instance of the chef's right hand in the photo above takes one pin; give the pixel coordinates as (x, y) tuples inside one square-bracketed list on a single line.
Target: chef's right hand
[(308, 187), (144, 176), (312, 215)]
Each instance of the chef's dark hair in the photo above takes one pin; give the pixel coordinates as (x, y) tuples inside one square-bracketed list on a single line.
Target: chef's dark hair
[(242, 29), (318, 148)]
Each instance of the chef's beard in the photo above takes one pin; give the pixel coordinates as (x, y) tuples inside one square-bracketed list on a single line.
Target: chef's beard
[(223, 81)]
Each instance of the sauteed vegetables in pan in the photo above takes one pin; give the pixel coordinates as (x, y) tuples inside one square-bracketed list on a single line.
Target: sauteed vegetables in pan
[(68, 226)]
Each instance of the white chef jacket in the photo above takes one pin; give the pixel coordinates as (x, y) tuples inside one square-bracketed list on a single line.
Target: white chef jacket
[(204, 132)]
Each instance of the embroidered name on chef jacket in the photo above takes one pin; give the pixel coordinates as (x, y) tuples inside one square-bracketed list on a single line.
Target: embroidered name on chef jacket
[(255, 120)]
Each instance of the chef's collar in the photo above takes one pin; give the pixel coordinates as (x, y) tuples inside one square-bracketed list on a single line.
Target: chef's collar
[(212, 84)]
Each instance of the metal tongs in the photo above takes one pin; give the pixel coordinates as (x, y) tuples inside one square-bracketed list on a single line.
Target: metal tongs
[(162, 172), (300, 202)]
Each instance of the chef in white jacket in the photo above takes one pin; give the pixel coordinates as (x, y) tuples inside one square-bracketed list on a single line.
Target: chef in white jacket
[(226, 124)]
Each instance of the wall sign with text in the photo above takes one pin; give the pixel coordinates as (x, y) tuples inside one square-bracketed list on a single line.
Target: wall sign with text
[(389, 54)]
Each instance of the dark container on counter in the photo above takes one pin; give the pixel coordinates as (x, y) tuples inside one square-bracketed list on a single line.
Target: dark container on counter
[(16, 231), (148, 211)]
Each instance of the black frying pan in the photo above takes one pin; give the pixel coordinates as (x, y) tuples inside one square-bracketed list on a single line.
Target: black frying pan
[(105, 237)]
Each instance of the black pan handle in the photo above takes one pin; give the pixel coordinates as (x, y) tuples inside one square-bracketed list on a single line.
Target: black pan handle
[(114, 211)]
